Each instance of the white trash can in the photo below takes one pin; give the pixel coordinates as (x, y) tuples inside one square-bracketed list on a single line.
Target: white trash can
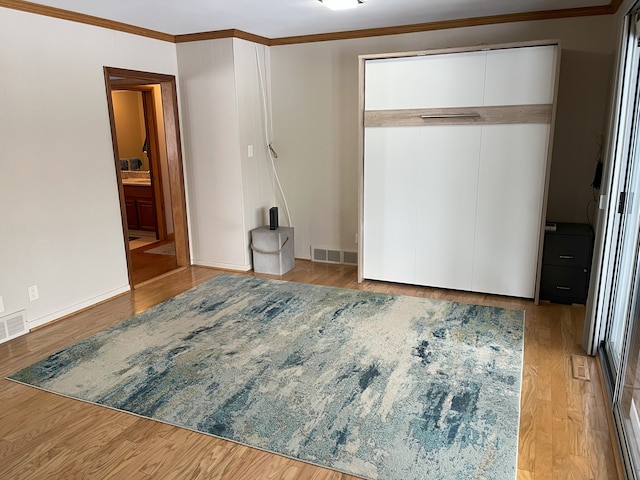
[(273, 250)]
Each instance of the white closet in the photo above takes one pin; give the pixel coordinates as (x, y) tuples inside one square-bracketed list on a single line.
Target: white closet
[(455, 160)]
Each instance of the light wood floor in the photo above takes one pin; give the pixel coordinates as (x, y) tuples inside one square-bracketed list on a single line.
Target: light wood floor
[(564, 431), (146, 266)]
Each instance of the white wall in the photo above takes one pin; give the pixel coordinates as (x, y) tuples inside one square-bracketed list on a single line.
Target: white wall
[(60, 224), (222, 114), (583, 100), (211, 139), (128, 113), (315, 92), (252, 66)]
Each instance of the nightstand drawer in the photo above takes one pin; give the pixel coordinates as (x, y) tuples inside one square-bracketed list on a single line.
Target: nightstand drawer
[(564, 283), (567, 250)]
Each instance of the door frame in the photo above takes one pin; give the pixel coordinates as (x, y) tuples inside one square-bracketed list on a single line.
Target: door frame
[(153, 153), (116, 79)]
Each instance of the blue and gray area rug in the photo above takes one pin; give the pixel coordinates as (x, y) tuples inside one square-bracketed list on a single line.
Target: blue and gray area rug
[(378, 386)]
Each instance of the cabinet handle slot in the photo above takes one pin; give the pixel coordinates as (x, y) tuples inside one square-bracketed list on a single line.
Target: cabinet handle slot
[(450, 115), (566, 257), (563, 288)]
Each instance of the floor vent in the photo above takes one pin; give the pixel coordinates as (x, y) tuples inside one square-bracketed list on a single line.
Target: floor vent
[(12, 326), (580, 367), (329, 255)]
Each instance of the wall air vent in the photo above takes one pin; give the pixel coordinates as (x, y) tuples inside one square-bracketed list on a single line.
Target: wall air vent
[(12, 326), (332, 255)]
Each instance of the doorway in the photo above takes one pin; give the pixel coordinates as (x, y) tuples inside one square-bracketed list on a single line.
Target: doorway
[(614, 329), (148, 162)]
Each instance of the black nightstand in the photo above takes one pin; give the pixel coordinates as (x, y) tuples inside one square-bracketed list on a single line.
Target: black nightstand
[(566, 263)]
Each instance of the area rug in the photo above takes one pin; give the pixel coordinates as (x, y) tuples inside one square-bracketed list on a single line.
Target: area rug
[(166, 249), (374, 385)]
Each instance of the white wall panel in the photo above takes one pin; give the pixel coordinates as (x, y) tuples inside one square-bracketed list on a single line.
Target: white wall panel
[(453, 80), (223, 114), (510, 193), (520, 76), (446, 208), (394, 83), (448, 80), (257, 176), (214, 172), (390, 199)]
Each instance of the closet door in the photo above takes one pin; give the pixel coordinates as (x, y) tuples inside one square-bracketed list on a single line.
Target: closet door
[(511, 186), (513, 167), (448, 179), (431, 81), (521, 76), (455, 165), (390, 199), (414, 231)]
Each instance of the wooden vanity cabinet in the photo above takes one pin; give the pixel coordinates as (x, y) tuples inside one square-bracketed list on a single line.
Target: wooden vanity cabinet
[(140, 207)]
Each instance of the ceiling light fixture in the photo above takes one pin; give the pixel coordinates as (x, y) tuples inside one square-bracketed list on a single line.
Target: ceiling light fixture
[(341, 4)]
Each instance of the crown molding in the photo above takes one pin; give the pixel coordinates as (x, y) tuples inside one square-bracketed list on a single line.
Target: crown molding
[(448, 24), (86, 19), (231, 33), (38, 9)]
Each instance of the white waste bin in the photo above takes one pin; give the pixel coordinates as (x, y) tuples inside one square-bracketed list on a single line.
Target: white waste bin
[(273, 250)]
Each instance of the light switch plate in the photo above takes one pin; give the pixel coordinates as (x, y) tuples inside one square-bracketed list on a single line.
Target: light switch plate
[(1, 305)]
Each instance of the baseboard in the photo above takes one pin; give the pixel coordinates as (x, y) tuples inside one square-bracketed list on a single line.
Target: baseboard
[(223, 266), (60, 314)]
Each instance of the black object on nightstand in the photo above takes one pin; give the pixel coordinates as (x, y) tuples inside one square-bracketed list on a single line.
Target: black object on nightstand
[(566, 263)]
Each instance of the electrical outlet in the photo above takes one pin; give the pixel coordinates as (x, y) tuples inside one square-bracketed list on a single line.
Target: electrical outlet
[(250, 151), (33, 293), (1, 305)]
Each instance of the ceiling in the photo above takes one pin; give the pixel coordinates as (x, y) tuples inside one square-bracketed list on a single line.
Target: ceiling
[(285, 18)]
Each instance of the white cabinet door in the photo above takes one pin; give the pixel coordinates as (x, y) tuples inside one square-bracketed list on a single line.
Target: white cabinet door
[(447, 80), (393, 83), (446, 209), (520, 76), (390, 199), (510, 192), (457, 206)]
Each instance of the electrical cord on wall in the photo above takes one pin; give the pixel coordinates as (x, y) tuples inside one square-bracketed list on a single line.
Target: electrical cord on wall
[(591, 202), (267, 135)]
